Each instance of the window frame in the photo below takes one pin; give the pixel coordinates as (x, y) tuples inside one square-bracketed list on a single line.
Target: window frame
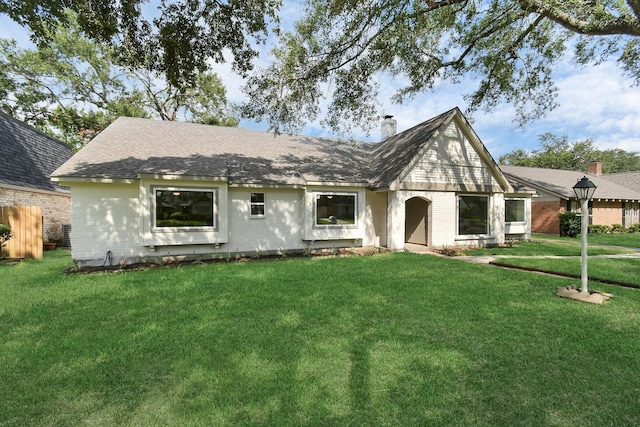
[(487, 219), (316, 198), (154, 209), (524, 210), (253, 204)]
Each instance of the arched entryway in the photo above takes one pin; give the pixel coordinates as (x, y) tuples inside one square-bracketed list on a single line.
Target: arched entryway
[(416, 224)]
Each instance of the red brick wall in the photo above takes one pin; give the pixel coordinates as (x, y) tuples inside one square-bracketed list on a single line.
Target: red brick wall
[(607, 213), (544, 216)]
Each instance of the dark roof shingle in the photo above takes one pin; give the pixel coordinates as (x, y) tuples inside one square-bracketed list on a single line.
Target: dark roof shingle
[(29, 156)]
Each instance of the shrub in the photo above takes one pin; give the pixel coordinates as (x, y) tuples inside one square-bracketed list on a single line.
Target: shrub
[(599, 229), (570, 224), (635, 228), (619, 228), (54, 233), (5, 234)]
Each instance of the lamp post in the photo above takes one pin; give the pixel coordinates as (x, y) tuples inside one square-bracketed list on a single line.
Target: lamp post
[(584, 190)]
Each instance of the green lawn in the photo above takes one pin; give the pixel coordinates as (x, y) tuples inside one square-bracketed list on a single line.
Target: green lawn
[(536, 248), (625, 270), (631, 240), (392, 339)]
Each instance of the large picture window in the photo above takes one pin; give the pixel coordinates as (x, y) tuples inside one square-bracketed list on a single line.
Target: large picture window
[(177, 207), (514, 210), (473, 215), (335, 209)]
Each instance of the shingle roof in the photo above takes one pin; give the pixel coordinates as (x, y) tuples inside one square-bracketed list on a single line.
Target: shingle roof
[(626, 179), (131, 147), (29, 156), (561, 182)]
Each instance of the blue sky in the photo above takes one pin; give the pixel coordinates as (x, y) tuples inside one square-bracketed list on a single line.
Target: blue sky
[(594, 102)]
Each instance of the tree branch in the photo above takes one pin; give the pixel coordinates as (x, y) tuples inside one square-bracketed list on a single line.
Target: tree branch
[(623, 25), (435, 5), (634, 5)]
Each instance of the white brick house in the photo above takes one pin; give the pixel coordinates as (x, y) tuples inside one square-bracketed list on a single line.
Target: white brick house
[(147, 189)]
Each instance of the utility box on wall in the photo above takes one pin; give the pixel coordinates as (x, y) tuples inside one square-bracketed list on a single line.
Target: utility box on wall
[(66, 235)]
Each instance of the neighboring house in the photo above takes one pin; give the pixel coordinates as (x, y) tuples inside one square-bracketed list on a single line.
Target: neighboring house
[(612, 203), (146, 189), (27, 159)]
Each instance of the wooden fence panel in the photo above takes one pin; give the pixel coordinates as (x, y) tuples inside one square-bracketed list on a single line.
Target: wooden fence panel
[(26, 223)]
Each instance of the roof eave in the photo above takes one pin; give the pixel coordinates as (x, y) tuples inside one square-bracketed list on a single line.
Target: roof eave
[(68, 180)]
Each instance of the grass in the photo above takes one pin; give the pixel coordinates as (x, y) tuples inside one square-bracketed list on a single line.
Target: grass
[(391, 339), (631, 240), (535, 248), (626, 270)]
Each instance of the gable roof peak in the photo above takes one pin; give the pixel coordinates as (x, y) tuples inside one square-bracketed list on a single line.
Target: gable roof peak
[(394, 155)]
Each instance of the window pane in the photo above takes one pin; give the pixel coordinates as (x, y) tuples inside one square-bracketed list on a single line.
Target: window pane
[(473, 214), (335, 209), (179, 208), (514, 210), (257, 210), (257, 204)]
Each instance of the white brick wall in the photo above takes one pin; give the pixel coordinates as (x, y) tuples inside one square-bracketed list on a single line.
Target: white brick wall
[(279, 229), (375, 219), (442, 229), (443, 219), (116, 219), (105, 218)]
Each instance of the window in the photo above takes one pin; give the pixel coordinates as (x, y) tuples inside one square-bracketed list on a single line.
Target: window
[(514, 210), (473, 215), (335, 209), (177, 207), (257, 204), (630, 213)]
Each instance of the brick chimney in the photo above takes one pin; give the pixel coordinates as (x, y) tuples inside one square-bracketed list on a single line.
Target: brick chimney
[(389, 127), (594, 168)]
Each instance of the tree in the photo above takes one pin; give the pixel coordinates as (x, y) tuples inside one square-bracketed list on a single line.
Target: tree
[(176, 40), (558, 153), (509, 47), (72, 88)]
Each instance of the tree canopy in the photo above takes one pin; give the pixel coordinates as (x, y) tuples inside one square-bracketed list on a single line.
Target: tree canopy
[(341, 49), (177, 39), (72, 88), (558, 153)]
